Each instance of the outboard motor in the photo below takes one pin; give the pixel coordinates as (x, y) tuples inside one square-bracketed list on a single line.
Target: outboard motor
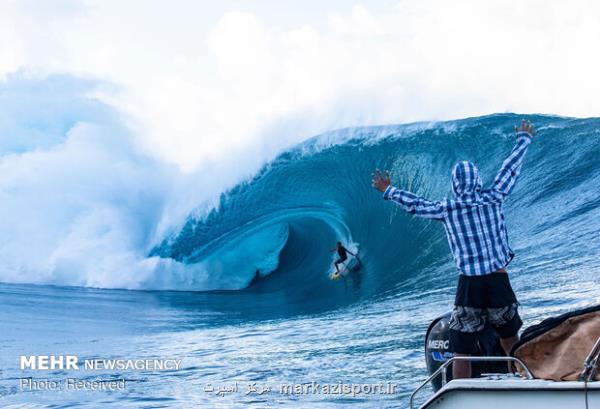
[(437, 350)]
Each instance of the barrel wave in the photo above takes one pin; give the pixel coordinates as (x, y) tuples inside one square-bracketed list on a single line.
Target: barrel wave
[(273, 234), (242, 292)]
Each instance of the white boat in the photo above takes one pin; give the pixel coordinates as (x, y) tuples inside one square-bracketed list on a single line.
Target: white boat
[(563, 352), (501, 391)]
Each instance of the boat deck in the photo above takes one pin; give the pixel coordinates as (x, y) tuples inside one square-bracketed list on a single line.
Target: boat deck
[(506, 391)]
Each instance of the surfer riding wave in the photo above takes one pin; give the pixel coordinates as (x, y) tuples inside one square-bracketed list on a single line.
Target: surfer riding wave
[(342, 253)]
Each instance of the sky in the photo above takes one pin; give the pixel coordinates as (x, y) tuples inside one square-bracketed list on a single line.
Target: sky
[(205, 81)]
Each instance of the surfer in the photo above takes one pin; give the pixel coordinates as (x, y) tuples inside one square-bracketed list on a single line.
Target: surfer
[(474, 224), (341, 250)]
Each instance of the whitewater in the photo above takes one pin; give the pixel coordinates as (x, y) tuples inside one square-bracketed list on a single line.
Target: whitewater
[(184, 285)]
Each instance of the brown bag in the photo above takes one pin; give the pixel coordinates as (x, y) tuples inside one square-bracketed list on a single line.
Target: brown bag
[(559, 352)]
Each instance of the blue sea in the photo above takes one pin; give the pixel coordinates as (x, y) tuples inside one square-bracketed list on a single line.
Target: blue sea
[(249, 301)]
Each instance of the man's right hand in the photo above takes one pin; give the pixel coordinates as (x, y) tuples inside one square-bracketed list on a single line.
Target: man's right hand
[(380, 182), (526, 126)]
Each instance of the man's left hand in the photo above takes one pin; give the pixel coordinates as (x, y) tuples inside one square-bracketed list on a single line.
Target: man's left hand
[(526, 126)]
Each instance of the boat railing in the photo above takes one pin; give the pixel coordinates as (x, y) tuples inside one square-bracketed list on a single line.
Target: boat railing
[(442, 369), (591, 363)]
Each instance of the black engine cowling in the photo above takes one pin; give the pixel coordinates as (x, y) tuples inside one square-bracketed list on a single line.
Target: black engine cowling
[(437, 350)]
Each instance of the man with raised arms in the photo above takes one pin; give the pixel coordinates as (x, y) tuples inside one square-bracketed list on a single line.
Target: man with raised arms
[(476, 231)]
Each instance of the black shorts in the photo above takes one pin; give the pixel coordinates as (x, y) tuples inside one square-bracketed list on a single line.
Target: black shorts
[(480, 301), (341, 259)]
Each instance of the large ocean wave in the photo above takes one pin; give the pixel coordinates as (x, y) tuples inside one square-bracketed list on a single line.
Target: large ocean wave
[(283, 222), (89, 210)]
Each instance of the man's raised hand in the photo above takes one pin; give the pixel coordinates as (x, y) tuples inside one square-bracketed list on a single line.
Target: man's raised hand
[(526, 126), (379, 181)]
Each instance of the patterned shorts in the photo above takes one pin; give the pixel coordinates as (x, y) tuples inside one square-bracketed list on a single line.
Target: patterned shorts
[(481, 301), (470, 319)]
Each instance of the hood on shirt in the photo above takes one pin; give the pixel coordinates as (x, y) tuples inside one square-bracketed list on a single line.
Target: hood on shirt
[(465, 179)]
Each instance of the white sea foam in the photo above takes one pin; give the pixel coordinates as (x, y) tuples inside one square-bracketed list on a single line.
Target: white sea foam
[(83, 204)]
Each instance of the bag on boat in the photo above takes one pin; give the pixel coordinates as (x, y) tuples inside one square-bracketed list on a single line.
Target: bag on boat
[(556, 348)]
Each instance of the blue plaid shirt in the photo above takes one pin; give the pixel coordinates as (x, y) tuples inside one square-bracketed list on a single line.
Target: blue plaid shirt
[(474, 218)]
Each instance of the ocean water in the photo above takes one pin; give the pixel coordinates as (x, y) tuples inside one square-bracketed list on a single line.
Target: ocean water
[(293, 325)]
